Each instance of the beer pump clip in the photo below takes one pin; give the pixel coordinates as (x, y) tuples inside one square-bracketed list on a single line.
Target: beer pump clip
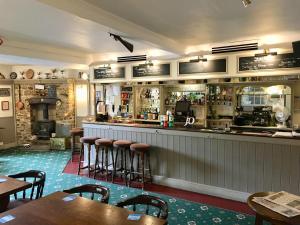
[(189, 121)]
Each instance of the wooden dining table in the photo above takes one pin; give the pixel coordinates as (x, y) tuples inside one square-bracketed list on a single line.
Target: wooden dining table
[(265, 214), (54, 209), (9, 187)]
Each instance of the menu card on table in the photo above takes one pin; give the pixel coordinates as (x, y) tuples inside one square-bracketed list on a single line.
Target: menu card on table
[(2, 180)]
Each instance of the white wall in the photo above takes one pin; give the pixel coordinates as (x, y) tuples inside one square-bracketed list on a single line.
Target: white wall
[(9, 99), (232, 69), (5, 70), (68, 73)]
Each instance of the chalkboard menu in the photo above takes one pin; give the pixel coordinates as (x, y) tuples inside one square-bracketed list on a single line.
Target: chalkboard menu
[(108, 73), (281, 61), (211, 66), (155, 70)]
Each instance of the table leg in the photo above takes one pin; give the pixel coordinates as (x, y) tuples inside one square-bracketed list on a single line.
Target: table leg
[(258, 220), (4, 201)]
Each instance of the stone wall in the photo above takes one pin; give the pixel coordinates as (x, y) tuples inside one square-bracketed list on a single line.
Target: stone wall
[(63, 113)]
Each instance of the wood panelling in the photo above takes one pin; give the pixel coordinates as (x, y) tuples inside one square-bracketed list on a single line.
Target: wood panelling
[(227, 161), (7, 135)]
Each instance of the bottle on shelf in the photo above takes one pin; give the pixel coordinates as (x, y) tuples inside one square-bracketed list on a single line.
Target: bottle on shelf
[(167, 102)]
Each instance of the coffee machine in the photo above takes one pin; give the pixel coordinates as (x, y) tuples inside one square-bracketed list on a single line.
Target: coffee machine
[(262, 116), (182, 110), (101, 112)]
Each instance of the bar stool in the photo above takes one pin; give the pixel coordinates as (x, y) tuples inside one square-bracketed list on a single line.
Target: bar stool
[(103, 145), (89, 141), (142, 150), (124, 147), (75, 132)]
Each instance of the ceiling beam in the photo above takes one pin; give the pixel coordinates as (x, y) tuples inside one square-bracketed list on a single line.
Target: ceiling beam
[(44, 52), (85, 10)]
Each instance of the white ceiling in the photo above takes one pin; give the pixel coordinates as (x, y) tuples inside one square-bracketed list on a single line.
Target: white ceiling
[(33, 21), (163, 27), (198, 22)]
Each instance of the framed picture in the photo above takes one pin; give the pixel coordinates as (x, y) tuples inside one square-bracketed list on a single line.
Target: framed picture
[(5, 105), (39, 87), (4, 92)]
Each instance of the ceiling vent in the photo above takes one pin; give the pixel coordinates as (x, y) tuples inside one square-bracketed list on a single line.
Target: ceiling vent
[(132, 58), (235, 48)]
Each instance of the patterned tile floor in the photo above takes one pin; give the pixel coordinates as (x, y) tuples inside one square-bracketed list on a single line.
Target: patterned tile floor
[(181, 212)]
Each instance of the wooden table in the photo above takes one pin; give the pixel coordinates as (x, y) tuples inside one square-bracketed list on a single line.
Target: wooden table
[(263, 213), (52, 210), (9, 187)]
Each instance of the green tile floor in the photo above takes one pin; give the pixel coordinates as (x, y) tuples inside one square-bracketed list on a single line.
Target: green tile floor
[(181, 212)]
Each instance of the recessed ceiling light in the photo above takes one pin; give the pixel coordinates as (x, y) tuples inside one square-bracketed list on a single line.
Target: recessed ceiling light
[(246, 3), (198, 59), (265, 53)]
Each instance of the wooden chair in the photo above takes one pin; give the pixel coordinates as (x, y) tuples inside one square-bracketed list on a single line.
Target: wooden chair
[(37, 178), (147, 200), (93, 189)]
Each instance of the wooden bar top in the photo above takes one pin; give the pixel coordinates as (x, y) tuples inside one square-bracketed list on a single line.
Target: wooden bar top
[(53, 210), (263, 213), (236, 130)]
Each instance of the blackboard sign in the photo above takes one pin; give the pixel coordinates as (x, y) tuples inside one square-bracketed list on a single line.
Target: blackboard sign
[(281, 61), (108, 73), (155, 70), (211, 66)]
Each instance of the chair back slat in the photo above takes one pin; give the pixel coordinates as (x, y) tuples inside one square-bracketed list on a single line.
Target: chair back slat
[(24, 191), (147, 200), (93, 189), (38, 182)]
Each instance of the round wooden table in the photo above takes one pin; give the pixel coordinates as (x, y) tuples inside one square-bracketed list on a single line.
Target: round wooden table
[(263, 213)]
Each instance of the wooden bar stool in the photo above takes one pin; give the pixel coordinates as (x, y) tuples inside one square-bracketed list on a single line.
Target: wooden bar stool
[(143, 153), (103, 145), (122, 146), (89, 141), (75, 132)]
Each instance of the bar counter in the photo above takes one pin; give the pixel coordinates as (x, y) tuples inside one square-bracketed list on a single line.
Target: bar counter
[(228, 165)]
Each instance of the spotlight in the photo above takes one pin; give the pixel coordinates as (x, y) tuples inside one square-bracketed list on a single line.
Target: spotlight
[(106, 66), (147, 64), (127, 45), (199, 59), (265, 53), (246, 3)]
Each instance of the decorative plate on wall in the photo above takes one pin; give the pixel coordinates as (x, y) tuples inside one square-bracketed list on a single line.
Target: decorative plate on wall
[(13, 75), (29, 74)]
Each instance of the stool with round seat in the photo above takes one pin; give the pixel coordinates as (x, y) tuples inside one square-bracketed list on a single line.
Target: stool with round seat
[(89, 141), (103, 145), (143, 153), (122, 146), (75, 132)]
